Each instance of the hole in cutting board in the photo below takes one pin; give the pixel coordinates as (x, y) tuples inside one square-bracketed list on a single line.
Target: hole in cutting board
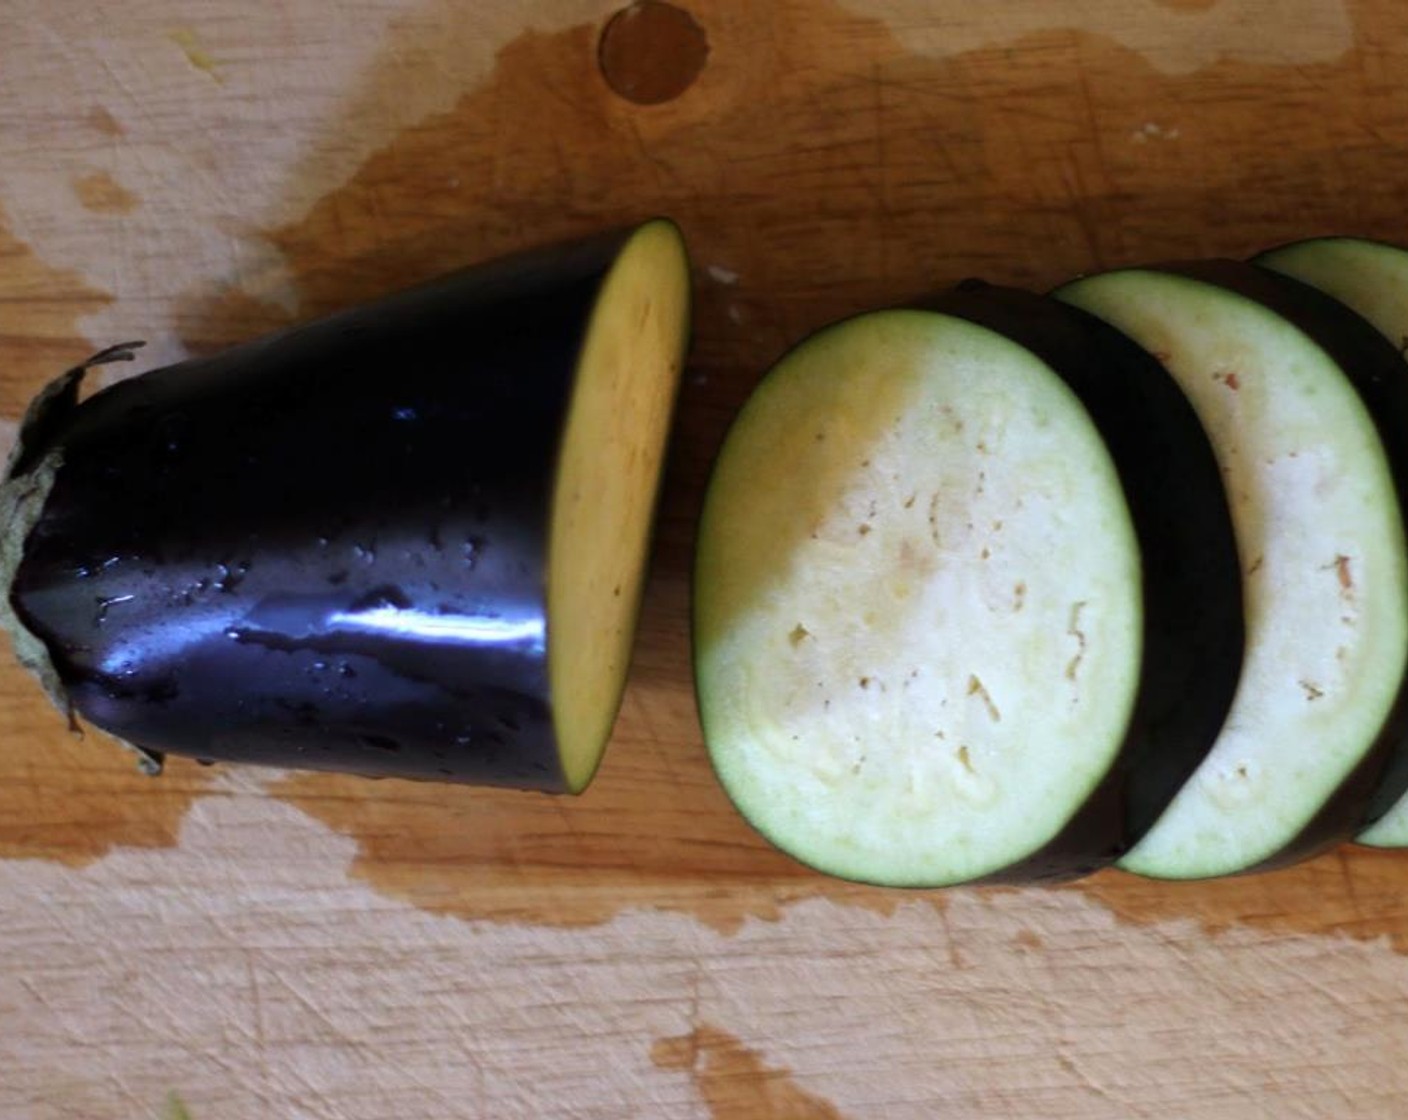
[(651, 52)]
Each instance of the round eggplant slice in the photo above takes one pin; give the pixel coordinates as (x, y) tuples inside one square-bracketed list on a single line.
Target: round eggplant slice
[(1371, 279), (1297, 396), (409, 539), (927, 649)]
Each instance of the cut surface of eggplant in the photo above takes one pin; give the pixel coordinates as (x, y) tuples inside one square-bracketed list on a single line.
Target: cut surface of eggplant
[(919, 617), (1371, 279), (409, 539), (604, 495), (1275, 372)]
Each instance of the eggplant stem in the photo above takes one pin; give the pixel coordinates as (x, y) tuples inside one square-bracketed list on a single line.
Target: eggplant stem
[(117, 352), (24, 488)]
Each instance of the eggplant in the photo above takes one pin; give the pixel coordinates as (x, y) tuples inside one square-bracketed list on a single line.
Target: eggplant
[(1307, 410), (1368, 277), (967, 604), (405, 540), (1371, 279)]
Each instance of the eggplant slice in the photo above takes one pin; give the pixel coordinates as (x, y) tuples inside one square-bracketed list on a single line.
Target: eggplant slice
[(1306, 411), (1371, 279), (927, 648), (1368, 277), (409, 539)]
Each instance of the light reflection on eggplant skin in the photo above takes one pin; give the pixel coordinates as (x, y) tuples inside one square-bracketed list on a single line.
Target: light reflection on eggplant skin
[(475, 630), (164, 640), (169, 642)]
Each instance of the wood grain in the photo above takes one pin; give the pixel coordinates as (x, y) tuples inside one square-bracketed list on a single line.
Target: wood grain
[(270, 945)]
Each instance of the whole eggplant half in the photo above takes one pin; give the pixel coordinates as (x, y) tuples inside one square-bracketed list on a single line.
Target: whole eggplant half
[(409, 539)]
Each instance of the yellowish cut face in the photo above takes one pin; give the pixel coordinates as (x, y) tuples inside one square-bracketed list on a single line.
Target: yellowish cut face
[(607, 480)]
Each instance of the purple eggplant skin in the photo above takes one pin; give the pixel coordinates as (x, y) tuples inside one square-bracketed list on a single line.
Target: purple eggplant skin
[(1375, 369), (325, 549), (1193, 618)]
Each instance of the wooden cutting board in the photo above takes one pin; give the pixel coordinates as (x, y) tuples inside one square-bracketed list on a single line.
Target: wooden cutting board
[(261, 944)]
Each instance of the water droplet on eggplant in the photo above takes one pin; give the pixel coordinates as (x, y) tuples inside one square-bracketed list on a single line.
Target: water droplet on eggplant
[(90, 568), (232, 577), (107, 603)]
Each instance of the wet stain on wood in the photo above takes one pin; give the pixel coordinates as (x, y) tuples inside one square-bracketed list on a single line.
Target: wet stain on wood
[(735, 1082), (102, 194), (1028, 940), (101, 119), (73, 800), (1353, 892)]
